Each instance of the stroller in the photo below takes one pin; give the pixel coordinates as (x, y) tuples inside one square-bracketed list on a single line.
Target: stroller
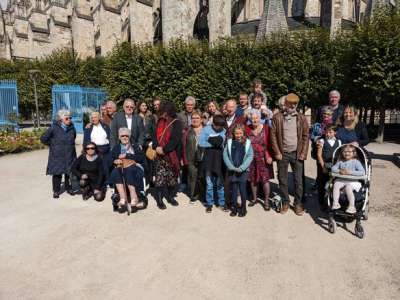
[(361, 197)]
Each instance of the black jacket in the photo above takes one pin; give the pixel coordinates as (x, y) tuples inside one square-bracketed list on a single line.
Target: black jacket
[(93, 169), (137, 129), (62, 151)]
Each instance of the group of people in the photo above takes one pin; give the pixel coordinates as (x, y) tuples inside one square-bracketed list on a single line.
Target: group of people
[(218, 154)]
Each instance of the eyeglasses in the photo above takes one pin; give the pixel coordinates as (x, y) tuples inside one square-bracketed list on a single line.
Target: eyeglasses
[(67, 118), (129, 107), (90, 148), (124, 136)]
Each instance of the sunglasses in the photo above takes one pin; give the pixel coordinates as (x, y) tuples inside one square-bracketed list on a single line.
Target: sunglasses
[(67, 118), (124, 136), (90, 148)]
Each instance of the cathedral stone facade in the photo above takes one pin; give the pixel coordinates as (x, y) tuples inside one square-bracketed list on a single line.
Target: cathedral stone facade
[(35, 28)]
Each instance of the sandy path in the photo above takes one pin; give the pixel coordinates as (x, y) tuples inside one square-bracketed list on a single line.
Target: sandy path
[(70, 249)]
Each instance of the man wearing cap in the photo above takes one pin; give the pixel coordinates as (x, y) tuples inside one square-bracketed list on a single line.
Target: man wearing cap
[(289, 140)]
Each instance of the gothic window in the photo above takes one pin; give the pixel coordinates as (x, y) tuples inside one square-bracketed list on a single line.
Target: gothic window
[(237, 7), (200, 30), (157, 25)]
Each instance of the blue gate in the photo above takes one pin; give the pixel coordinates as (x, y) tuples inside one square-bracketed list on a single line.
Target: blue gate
[(8, 103), (78, 100)]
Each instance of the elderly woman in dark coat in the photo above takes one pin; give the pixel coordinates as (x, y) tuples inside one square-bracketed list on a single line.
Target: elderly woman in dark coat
[(60, 137), (129, 171)]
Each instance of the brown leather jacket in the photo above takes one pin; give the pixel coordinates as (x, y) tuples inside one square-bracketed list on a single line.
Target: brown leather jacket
[(302, 135)]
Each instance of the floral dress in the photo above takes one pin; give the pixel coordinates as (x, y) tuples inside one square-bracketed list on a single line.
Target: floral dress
[(260, 171)]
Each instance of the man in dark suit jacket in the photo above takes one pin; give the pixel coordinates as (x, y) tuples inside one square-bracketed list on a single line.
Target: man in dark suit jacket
[(186, 116), (231, 120), (128, 119), (337, 108)]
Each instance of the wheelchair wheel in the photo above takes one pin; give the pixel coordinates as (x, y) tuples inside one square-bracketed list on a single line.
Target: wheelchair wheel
[(359, 231)]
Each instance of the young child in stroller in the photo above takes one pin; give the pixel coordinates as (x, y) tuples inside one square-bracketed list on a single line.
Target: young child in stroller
[(348, 164)]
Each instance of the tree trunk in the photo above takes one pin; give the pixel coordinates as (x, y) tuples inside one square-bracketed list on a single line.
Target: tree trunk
[(372, 117), (381, 128), (365, 115)]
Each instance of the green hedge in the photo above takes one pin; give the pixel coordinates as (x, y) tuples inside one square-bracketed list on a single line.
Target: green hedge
[(309, 63)]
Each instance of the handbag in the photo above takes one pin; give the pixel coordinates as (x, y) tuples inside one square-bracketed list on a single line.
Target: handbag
[(199, 155), (151, 154)]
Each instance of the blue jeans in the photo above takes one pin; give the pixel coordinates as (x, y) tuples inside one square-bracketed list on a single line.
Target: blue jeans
[(215, 181)]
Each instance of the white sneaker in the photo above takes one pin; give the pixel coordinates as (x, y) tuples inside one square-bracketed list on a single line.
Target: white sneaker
[(351, 210), (335, 206)]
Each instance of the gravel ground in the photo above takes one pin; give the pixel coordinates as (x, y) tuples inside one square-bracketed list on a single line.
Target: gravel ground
[(70, 249)]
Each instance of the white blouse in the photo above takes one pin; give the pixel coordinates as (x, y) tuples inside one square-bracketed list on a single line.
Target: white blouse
[(99, 135)]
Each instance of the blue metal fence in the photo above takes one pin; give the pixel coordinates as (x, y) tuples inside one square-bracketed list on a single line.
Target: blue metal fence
[(8, 103), (78, 100)]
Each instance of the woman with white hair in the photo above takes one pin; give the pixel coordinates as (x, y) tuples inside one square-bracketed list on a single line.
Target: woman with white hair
[(261, 170), (60, 137), (128, 174), (99, 133)]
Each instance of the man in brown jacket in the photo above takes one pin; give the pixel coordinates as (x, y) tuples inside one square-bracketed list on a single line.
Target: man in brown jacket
[(289, 140)]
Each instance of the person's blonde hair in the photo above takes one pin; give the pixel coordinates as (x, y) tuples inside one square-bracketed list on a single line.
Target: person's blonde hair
[(239, 127), (340, 121), (95, 113)]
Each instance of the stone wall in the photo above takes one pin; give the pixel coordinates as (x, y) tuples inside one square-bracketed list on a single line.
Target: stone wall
[(141, 22), (178, 18), (219, 19)]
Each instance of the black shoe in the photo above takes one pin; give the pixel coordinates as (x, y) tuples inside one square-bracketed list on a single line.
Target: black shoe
[(161, 205), (173, 202), (192, 200), (56, 195), (71, 192), (242, 213), (233, 213), (208, 209)]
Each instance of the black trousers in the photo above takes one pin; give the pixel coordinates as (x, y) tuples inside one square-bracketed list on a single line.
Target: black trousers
[(239, 187), (297, 168), (322, 179), (56, 180), (87, 189)]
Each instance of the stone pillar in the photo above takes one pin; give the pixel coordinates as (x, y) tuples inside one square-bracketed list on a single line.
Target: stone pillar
[(176, 20), (141, 18), (336, 20), (219, 18)]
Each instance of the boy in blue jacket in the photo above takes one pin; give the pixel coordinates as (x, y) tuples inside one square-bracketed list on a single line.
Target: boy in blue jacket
[(212, 139)]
